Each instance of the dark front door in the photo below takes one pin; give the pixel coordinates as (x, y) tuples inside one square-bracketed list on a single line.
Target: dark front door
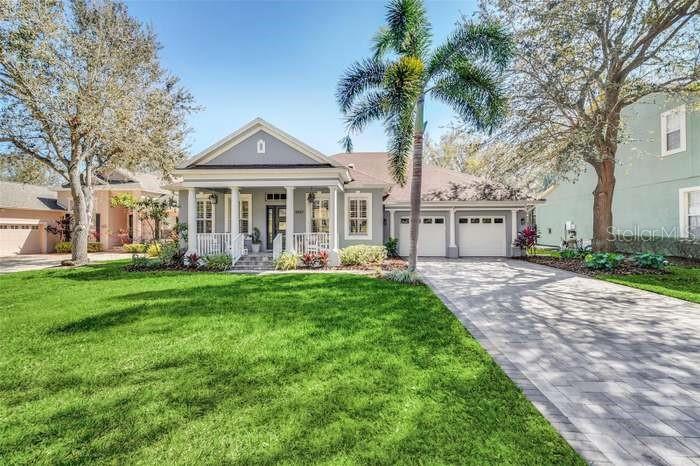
[(276, 222)]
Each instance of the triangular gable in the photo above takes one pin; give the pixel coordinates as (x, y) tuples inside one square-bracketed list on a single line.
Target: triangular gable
[(259, 144)]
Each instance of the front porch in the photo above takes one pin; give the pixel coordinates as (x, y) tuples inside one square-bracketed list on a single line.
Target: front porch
[(227, 219)]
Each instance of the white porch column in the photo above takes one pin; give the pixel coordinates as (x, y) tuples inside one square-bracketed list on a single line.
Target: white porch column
[(392, 228), (333, 217), (235, 211), (191, 220), (290, 218), (453, 228), (514, 229)]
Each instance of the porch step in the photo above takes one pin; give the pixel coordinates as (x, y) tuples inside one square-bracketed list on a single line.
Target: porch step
[(255, 262)]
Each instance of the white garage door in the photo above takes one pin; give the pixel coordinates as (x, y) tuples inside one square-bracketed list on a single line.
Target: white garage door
[(19, 239), (431, 236), (482, 236)]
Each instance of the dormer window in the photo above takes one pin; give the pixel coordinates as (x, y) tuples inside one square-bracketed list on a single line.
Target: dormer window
[(261, 146)]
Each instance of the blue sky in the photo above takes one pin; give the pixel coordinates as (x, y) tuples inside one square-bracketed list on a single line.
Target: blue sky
[(277, 60)]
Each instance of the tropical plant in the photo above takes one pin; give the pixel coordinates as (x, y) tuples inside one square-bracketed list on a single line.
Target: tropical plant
[(649, 260), (403, 276), (134, 248), (392, 247), (308, 259), (81, 91), (393, 84), (603, 260), (218, 262), (527, 239), (288, 260), (170, 253), (322, 258), (152, 211), (193, 260), (256, 236), (153, 249)]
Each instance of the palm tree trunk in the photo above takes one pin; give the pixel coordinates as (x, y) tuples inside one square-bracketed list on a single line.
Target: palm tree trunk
[(416, 179)]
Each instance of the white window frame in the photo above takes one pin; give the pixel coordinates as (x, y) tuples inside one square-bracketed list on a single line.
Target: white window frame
[(664, 117), (320, 195), (260, 146), (205, 197), (683, 213), (227, 211), (360, 196)]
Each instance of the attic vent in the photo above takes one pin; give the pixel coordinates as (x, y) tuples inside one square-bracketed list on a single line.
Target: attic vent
[(261, 146)]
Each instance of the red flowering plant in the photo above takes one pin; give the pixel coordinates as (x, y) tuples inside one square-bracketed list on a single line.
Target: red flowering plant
[(315, 259), (322, 258), (308, 259), (527, 239)]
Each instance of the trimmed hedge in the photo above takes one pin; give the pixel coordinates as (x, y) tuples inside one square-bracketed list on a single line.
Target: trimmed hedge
[(362, 254), (134, 248), (64, 247), (673, 247)]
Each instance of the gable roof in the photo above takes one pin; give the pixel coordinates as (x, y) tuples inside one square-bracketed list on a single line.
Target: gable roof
[(376, 163), (27, 196), (247, 130)]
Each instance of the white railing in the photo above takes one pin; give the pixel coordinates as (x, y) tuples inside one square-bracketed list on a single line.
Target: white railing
[(277, 246), (311, 242), (238, 247), (213, 243)]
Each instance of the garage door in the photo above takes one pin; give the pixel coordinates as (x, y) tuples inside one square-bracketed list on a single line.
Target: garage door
[(431, 236), (481, 236), (20, 239)]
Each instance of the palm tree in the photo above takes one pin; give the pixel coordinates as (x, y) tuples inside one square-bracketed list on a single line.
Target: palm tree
[(393, 84)]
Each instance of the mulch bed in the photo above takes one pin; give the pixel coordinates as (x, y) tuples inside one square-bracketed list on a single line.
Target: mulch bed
[(577, 266)]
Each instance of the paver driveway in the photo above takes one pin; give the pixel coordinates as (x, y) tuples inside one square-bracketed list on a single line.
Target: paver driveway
[(615, 369), (23, 262)]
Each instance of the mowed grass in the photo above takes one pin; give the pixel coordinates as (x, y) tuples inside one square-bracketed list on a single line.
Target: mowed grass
[(681, 282), (101, 365)]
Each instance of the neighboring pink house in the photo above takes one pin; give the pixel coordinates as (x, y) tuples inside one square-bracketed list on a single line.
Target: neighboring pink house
[(114, 226)]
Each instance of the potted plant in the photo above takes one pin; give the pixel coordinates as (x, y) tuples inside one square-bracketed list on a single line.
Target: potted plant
[(256, 239)]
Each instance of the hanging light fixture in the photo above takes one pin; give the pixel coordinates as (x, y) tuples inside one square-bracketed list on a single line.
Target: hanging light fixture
[(213, 198), (312, 197)]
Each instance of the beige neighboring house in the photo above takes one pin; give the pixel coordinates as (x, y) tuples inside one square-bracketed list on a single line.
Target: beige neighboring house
[(25, 211), (114, 226)]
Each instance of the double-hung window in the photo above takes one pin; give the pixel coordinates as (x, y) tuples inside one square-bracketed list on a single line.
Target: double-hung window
[(205, 216), (358, 216), (673, 131), (694, 214)]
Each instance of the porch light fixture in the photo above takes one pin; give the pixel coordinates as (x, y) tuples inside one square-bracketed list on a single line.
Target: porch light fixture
[(213, 198), (311, 197)]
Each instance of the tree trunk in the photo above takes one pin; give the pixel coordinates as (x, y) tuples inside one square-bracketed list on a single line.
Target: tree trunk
[(602, 205), (416, 179), (82, 210)]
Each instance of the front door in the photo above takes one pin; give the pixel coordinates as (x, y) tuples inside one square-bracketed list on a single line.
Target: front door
[(276, 222)]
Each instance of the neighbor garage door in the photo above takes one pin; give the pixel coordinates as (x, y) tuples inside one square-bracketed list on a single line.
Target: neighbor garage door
[(18, 238), (481, 236), (431, 236)]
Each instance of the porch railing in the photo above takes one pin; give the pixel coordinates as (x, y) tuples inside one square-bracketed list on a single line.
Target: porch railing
[(238, 247), (311, 242), (277, 246), (213, 243)]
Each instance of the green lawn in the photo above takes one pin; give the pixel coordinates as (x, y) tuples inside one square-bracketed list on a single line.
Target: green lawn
[(100, 365), (682, 282)]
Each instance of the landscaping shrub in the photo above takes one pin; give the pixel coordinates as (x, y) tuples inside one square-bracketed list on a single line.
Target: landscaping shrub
[(603, 260), (218, 262), (141, 263), (287, 261), (569, 254), (527, 239), (392, 247), (322, 259), (362, 254), (308, 259), (170, 253), (153, 249), (649, 260), (134, 248), (64, 247), (403, 276), (315, 259), (193, 261)]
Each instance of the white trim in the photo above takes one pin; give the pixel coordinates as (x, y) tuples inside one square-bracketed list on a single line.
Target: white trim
[(683, 200), (481, 205), (260, 146), (227, 211), (261, 184), (205, 197), (453, 229), (363, 196), (250, 129), (681, 111), (506, 252), (339, 174)]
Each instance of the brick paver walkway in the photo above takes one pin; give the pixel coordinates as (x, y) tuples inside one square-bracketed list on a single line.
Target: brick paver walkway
[(616, 370)]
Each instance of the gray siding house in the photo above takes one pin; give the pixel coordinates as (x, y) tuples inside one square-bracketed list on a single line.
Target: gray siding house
[(302, 200), (657, 192)]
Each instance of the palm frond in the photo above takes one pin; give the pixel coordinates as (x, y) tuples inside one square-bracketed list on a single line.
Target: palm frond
[(382, 43), (408, 27), (346, 143), (474, 93), (404, 82), (399, 128), (360, 77), (485, 42), (373, 106)]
